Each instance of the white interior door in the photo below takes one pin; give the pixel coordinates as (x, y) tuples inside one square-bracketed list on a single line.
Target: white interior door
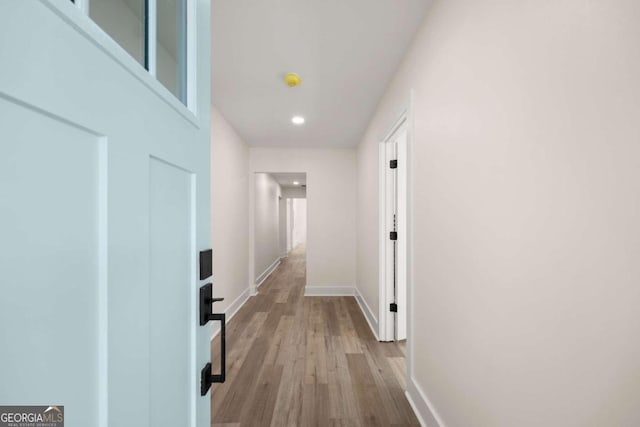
[(395, 250), (391, 226), (104, 205), (401, 243)]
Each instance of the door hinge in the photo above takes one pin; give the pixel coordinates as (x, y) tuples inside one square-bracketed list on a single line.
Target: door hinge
[(393, 307), (393, 235), (393, 164)]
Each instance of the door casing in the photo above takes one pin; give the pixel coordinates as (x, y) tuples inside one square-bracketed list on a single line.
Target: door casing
[(389, 329)]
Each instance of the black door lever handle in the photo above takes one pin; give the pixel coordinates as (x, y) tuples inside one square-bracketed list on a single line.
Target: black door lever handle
[(206, 299)]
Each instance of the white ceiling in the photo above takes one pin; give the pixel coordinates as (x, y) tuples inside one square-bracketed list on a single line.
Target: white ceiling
[(286, 179), (346, 51)]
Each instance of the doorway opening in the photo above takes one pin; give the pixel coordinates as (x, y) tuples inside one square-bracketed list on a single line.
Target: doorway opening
[(280, 222), (393, 235), (295, 217)]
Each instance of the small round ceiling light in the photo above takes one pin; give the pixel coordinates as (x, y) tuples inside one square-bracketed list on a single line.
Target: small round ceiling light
[(292, 79), (297, 120), (296, 183)]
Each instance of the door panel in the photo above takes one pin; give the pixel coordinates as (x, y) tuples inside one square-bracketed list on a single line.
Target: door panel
[(97, 236), (51, 263), (170, 296)]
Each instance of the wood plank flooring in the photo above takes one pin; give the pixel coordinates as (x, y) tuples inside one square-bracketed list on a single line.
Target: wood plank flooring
[(307, 361)]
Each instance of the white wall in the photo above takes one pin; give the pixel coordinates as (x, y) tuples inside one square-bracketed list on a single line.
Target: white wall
[(229, 211), (526, 204), (331, 199), (294, 192), (289, 230), (282, 214), (267, 223), (299, 222)]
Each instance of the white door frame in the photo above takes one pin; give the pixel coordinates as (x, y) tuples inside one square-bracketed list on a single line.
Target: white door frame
[(386, 323)]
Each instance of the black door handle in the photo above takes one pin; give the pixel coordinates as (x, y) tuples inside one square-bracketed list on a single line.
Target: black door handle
[(206, 299), (206, 376)]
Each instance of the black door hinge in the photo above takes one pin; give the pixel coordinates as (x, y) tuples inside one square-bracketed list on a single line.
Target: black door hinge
[(393, 307), (393, 164), (393, 235)]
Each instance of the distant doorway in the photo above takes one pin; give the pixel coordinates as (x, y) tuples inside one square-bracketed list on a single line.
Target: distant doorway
[(279, 221), (296, 223)]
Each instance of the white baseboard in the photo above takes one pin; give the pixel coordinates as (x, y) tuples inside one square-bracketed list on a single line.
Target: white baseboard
[(232, 310), (261, 278), (422, 406), (368, 314), (329, 291)]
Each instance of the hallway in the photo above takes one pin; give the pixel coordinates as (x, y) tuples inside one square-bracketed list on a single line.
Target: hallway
[(300, 361)]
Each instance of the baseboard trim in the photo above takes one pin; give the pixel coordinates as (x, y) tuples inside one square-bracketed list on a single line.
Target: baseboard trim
[(368, 314), (422, 406), (231, 311), (265, 274), (329, 291)]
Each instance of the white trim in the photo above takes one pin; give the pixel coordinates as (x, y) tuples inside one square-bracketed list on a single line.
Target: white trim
[(152, 37), (251, 195), (410, 225), (231, 311), (191, 98), (83, 5), (422, 406), (103, 282), (401, 181), (386, 321), (265, 274), (329, 291), (196, 341), (368, 313), (397, 124)]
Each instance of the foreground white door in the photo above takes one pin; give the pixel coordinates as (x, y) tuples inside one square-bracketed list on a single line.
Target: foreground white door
[(104, 207)]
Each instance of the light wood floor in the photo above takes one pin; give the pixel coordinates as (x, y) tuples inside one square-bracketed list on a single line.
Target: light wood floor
[(307, 361)]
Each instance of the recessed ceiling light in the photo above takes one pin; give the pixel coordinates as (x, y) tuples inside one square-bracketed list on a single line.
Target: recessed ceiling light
[(297, 120), (295, 183)]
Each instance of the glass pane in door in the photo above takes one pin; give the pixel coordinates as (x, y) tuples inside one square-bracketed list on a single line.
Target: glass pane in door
[(124, 21), (171, 52)]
